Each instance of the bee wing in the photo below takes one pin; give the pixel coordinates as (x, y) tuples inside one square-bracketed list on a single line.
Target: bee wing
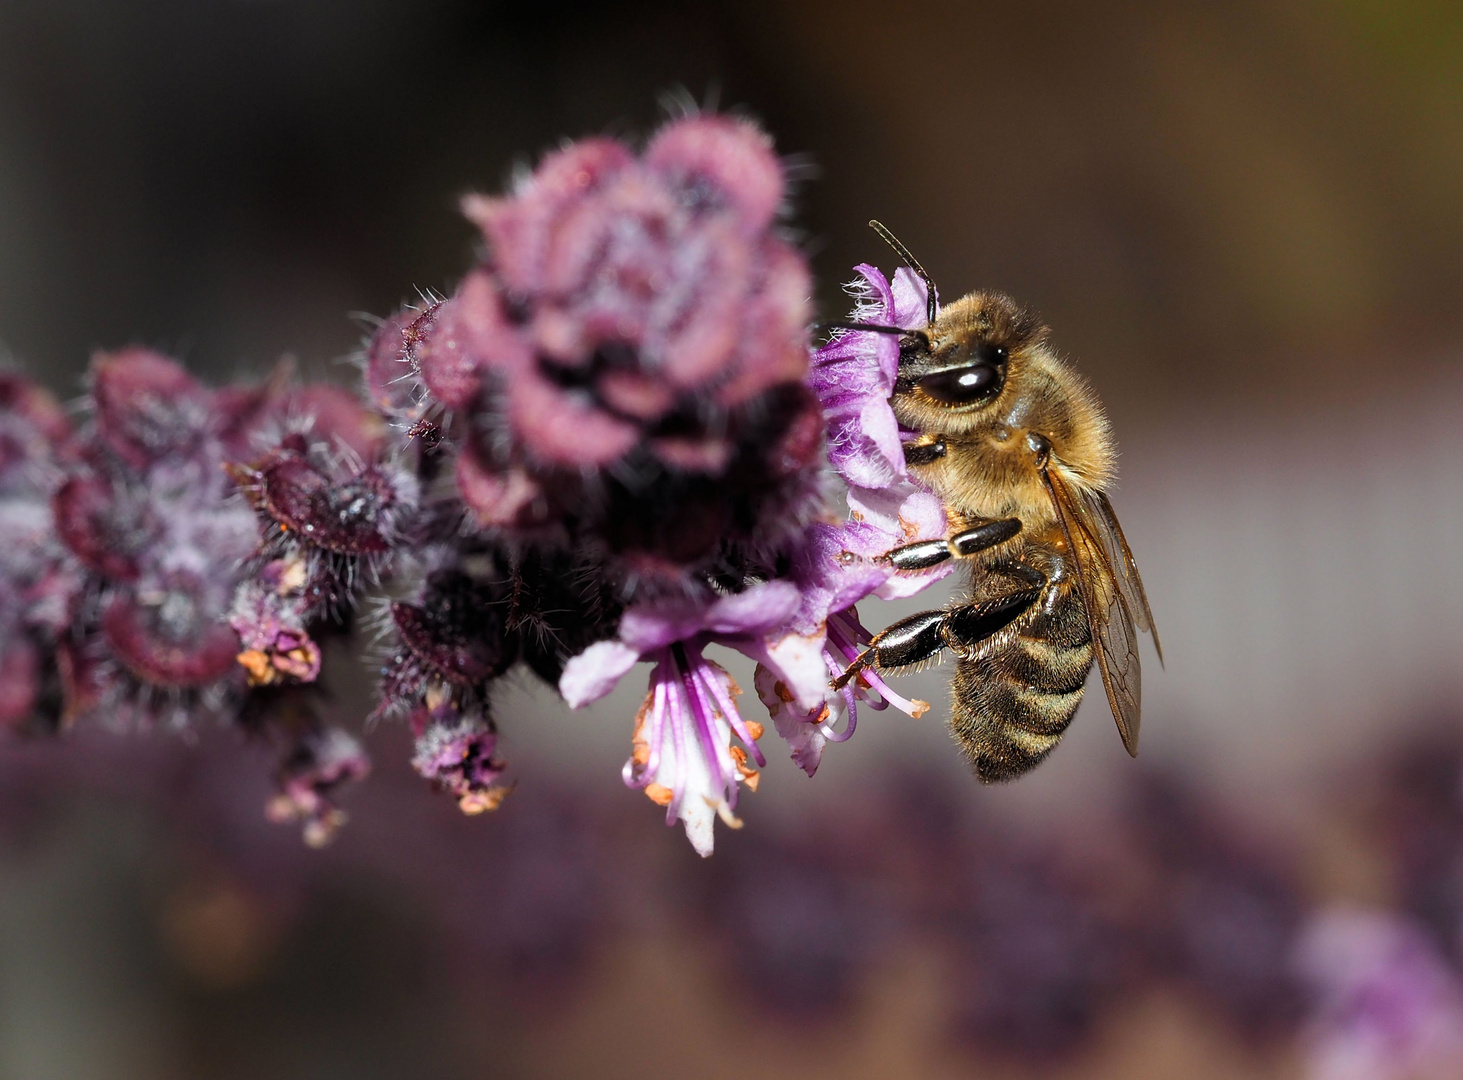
[(1105, 595), (1120, 559)]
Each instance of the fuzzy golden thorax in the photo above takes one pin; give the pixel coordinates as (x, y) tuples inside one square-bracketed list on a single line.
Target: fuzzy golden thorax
[(988, 470)]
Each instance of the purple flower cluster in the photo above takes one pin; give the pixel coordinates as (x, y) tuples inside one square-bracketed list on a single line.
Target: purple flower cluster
[(147, 514), (37, 580), (800, 625), (625, 367), (613, 443), (1388, 1007)]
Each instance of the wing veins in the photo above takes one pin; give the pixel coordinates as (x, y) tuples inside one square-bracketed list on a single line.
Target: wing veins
[(1128, 578), (1124, 700)]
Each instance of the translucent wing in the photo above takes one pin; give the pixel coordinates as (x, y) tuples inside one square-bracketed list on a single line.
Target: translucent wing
[(1113, 595), (1120, 558)]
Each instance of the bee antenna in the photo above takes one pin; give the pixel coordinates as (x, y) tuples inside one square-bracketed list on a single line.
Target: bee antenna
[(932, 294), (871, 328)]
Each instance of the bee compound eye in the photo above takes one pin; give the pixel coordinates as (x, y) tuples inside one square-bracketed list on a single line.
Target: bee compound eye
[(963, 385)]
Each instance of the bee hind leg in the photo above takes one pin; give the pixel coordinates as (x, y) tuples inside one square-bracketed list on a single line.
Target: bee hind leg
[(922, 635), (924, 554), (905, 642)]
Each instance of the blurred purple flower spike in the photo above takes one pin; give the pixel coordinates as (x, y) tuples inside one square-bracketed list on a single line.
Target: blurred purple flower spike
[(1387, 1006)]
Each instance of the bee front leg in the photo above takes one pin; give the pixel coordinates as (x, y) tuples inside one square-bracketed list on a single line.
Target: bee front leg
[(924, 554)]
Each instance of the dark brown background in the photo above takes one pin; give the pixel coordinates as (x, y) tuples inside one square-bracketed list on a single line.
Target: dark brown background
[(1233, 200)]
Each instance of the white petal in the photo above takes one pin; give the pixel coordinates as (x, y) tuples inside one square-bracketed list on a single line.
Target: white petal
[(594, 672), (805, 739), (798, 662), (699, 817)]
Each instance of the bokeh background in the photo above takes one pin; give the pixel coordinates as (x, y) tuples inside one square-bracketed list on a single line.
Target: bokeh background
[(1244, 222)]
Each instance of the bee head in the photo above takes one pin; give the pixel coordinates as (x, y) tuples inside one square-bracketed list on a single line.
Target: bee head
[(962, 359)]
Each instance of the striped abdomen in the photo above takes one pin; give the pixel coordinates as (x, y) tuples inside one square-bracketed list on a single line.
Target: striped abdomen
[(1013, 699)]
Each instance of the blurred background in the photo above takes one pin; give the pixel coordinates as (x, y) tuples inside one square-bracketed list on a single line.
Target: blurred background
[(1244, 222)]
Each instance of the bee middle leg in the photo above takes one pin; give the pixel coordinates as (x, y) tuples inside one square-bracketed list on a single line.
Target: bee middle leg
[(924, 554), (922, 635)]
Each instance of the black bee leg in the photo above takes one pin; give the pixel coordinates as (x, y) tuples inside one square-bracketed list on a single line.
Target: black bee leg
[(908, 641), (966, 627), (927, 553), (925, 453), (921, 636)]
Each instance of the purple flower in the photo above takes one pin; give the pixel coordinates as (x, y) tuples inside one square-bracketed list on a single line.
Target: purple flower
[(837, 565), (454, 749), (1387, 1007), (147, 513), (607, 446), (37, 581), (683, 755), (623, 372), (320, 765), (835, 717), (853, 376)]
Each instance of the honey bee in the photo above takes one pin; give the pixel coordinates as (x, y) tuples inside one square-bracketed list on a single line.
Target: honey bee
[(1016, 445)]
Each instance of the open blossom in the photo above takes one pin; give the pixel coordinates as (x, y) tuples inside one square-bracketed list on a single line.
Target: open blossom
[(853, 377), (683, 755)]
